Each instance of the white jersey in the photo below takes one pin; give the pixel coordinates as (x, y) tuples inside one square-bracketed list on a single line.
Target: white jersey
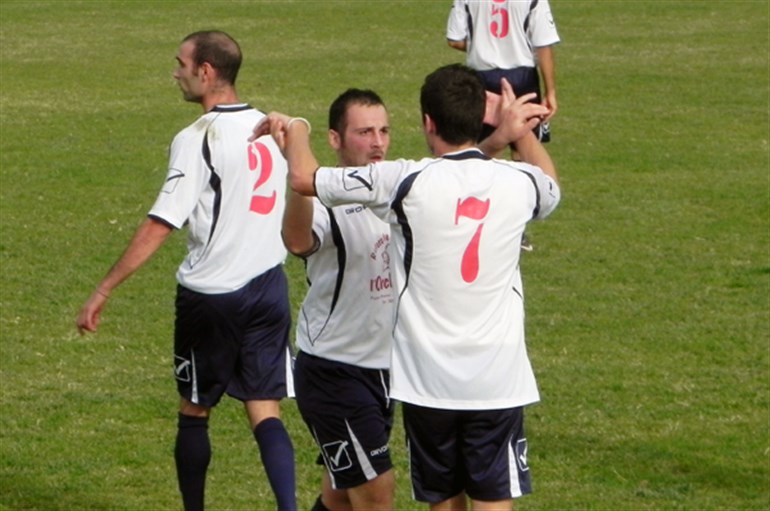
[(231, 194), (456, 227), (501, 34), (347, 315)]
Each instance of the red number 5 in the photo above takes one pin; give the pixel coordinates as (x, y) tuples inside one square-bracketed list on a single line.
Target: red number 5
[(475, 209), (500, 24), (260, 159)]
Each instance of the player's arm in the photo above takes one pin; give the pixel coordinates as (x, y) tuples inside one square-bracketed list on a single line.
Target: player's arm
[(547, 66), (457, 45), (297, 228), (513, 117), (149, 236), (457, 26), (530, 150), (292, 134)]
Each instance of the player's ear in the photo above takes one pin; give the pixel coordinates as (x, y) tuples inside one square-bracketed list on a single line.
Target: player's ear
[(427, 123), (207, 71), (335, 141)]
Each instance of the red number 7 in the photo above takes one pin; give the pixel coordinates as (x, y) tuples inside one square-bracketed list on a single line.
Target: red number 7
[(475, 209)]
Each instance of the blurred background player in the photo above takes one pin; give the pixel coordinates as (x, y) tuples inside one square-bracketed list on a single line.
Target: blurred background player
[(232, 306), (344, 325), (511, 39)]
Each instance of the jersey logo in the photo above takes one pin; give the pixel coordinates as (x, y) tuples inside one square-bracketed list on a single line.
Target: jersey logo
[(174, 176), (337, 455), (354, 180)]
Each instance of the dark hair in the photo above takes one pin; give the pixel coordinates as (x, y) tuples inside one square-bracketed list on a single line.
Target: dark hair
[(454, 98), (219, 50), (339, 107)]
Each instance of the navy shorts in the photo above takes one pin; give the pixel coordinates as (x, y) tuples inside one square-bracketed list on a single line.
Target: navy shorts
[(349, 414), (234, 342), (523, 80), (480, 452)]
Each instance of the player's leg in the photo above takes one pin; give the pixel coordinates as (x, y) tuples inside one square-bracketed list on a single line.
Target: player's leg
[(437, 473), (494, 450), (350, 416), (276, 450), (331, 499), (499, 505), (204, 356), (374, 495), (263, 377), (456, 503), (192, 454)]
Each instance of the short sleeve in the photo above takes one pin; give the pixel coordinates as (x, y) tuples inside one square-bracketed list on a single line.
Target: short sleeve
[(542, 27), (372, 185), (549, 193), (457, 23), (185, 181)]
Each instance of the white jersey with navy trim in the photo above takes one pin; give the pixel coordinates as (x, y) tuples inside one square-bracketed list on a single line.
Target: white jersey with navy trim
[(347, 315), (456, 226), (231, 195), (502, 34)]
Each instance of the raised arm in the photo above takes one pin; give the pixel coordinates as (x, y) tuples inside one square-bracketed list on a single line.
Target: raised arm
[(292, 134), (297, 229), (515, 118)]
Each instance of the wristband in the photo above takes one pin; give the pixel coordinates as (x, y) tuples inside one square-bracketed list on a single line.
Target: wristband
[(300, 119)]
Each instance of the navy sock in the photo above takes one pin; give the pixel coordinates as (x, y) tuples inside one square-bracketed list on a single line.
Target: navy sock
[(319, 506), (192, 454), (277, 453)]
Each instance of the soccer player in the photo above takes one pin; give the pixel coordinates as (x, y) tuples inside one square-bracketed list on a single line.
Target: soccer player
[(232, 307), (511, 39), (344, 333), (459, 363)]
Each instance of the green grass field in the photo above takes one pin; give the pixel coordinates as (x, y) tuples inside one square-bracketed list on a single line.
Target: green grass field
[(648, 293)]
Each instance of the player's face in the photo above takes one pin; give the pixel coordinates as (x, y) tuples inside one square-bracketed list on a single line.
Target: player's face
[(366, 138), (187, 74)]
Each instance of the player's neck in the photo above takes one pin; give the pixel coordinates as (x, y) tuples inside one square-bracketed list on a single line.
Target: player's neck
[(222, 96), (440, 147)]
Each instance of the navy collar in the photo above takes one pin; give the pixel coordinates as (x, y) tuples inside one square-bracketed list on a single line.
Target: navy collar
[(231, 108), (473, 153)]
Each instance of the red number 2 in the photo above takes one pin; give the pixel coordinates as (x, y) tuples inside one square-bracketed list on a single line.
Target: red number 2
[(475, 209), (260, 159)]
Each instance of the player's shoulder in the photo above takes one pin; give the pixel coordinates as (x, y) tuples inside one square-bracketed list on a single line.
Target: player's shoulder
[(515, 164), (193, 132)]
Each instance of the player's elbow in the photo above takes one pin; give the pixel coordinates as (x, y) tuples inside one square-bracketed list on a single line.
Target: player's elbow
[(457, 45), (302, 183), (297, 243)]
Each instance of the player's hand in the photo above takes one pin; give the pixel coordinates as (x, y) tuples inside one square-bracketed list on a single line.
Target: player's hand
[(273, 124), (492, 110), (549, 101), (90, 313), (517, 116)]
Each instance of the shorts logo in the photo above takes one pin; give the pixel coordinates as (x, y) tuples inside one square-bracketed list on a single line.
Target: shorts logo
[(354, 180), (337, 455), (521, 454), (182, 368)]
